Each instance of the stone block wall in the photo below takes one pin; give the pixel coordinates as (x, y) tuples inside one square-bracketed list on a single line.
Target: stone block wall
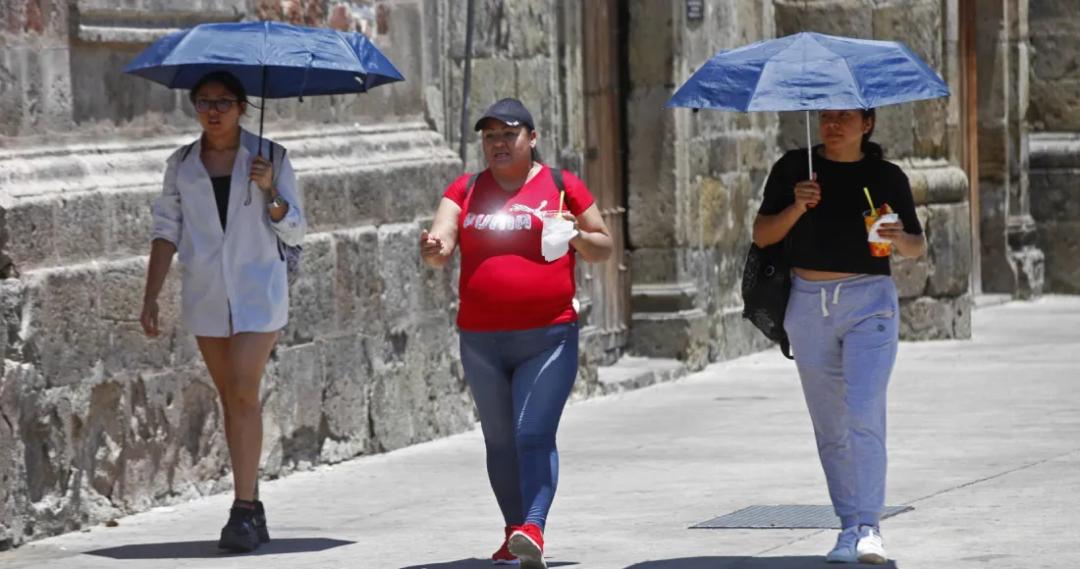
[(1054, 114), (693, 179), (102, 421), (1055, 207), (98, 420), (520, 49)]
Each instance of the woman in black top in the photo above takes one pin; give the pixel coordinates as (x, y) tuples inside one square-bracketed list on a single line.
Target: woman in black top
[(843, 314)]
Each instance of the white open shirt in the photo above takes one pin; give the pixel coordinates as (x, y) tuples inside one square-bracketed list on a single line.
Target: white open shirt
[(235, 276)]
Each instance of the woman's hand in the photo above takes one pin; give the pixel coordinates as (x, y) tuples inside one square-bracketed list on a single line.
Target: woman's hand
[(262, 173), (891, 231), (807, 194), (572, 219), (430, 246), (149, 318)]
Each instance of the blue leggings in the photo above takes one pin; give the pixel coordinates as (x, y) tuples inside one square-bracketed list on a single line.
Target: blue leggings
[(520, 381)]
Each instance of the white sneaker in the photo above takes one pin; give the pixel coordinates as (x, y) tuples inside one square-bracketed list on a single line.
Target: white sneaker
[(870, 547), (844, 552)]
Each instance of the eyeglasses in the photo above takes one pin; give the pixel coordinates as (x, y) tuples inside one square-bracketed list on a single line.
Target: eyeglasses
[(219, 105)]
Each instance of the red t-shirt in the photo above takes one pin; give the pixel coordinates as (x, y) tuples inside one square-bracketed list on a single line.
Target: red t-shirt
[(505, 282)]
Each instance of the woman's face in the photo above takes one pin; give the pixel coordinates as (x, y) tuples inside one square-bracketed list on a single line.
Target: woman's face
[(507, 148), (218, 110), (843, 129)]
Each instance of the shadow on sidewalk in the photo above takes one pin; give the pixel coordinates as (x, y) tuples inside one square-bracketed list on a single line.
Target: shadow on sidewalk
[(209, 549), (476, 563), (799, 562)]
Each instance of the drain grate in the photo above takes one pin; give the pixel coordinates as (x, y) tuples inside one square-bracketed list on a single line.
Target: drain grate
[(785, 517)]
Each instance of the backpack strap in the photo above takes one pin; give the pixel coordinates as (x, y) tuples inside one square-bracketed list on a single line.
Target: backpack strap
[(557, 177), (472, 183), (187, 150)]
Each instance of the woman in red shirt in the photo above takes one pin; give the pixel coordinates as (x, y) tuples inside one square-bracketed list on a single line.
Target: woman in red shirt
[(517, 322)]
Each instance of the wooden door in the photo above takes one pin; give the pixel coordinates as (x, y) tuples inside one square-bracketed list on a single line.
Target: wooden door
[(609, 282)]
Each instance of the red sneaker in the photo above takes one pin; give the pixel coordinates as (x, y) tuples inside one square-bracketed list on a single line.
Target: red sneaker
[(527, 544), (503, 555)]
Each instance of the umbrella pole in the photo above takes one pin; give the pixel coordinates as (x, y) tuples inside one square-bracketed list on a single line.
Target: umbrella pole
[(262, 109), (262, 115), (809, 150)]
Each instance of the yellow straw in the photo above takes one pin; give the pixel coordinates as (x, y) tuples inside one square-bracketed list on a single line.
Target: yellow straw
[(562, 194), (867, 191)]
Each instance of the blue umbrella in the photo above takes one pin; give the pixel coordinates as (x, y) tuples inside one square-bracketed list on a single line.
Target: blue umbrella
[(810, 71), (272, 59)]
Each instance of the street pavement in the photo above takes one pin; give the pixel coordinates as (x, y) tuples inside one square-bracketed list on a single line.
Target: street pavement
[(984, 439)]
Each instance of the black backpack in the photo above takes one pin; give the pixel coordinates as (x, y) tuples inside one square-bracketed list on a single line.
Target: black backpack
[(766, 286)]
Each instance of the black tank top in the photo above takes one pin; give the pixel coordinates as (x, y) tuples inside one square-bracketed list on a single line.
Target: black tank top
[(221, 195)]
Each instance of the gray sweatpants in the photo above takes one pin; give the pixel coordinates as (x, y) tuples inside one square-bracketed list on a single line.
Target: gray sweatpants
[(844, 334)]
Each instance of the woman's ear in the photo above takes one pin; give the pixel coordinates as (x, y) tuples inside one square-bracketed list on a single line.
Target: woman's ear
[(532, 138)]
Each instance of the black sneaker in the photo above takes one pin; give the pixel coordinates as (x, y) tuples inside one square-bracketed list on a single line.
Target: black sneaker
[(260, 523), (239, 535)]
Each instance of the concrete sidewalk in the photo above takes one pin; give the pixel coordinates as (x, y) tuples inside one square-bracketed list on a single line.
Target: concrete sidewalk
[(984, 440)]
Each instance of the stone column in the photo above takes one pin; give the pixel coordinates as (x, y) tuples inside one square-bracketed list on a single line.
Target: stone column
[(35, 84), (1055, 139), (1011, 263)]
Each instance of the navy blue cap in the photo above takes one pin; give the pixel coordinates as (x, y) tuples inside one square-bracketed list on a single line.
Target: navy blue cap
[(510, 111)]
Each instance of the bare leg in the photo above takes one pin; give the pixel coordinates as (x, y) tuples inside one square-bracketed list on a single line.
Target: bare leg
[(248, 354), (216, 355)]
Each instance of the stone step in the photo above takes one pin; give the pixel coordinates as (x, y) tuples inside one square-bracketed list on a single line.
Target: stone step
[(681, 335), (101, 211), (663, 297), (632, 372)]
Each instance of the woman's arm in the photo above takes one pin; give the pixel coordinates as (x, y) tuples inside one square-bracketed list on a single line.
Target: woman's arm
[(593, 241), (288, 221), (438, 243), (907, 244), (769, 229), (161, 254)]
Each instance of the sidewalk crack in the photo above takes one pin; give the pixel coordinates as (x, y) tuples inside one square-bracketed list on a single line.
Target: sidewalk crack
[(993, 476)]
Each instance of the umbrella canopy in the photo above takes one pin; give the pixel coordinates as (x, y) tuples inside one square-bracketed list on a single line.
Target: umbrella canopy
[(271, 59), (810, 71)]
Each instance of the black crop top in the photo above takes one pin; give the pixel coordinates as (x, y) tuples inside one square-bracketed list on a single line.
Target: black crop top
[(832, 235), (221, 196)]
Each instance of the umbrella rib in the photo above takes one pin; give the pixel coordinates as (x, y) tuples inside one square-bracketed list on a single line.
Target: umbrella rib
[(852, 73)]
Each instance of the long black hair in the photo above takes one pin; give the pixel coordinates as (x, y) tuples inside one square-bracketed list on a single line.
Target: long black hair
[(871, 149)]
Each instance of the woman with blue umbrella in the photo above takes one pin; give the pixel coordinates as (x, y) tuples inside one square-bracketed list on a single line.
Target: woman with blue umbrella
[(838, 210), (237, 246), (235, 296), (843, 314)]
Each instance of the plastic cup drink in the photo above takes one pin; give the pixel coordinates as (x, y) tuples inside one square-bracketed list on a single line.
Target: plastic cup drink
[(556, 235), (879, 247)]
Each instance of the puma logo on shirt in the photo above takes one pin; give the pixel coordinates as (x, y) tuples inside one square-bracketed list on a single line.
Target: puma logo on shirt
[(498, 221)]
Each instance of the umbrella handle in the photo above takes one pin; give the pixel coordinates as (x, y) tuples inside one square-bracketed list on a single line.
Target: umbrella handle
[(809, 150)]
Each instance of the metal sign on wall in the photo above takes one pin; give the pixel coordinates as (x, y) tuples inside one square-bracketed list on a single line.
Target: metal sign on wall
[(695, 10)]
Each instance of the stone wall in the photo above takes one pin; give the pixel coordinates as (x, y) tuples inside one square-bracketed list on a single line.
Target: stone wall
[(1011, 261), (693, 179), (1054, 114), (98, 420)]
